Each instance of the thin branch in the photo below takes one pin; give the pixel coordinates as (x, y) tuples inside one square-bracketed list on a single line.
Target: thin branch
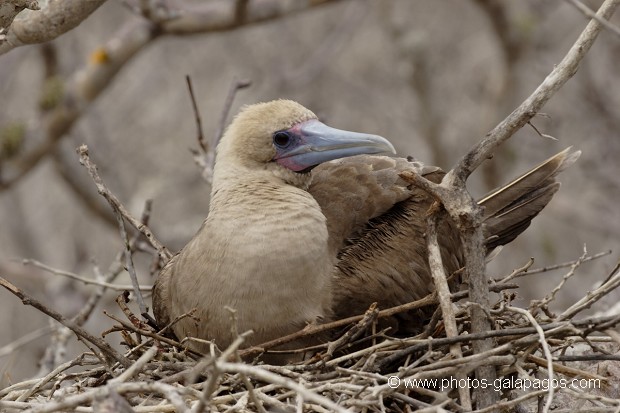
[(593, 296), (443, 292), (129, 265), (312, 330), (544, 302), (201, 136), (88, 281), (236, 86), (108, 352), (567, 264), (591, 14), (136, 367), (260, 374), (545, 346), (204, 156), (532, 105), (116, 204), (9, 348)]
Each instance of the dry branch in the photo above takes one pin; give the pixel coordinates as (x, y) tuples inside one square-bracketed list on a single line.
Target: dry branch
[(462, 207), (39, 25), (108, 352), (87, 83), (591, 14), (117, 206), (160, 377)]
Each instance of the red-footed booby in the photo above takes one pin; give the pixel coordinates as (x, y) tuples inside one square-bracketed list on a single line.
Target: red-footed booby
[(306, 223)]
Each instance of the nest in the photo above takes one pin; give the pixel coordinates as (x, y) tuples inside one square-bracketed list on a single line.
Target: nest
[(363, 369)]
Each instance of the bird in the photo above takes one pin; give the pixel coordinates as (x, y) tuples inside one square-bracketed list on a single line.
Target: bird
[(308, 223)]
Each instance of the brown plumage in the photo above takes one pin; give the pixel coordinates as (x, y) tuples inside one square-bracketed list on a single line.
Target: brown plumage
[(285, 244)]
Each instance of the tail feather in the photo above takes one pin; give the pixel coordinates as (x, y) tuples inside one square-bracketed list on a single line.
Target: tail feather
[(510, 209)]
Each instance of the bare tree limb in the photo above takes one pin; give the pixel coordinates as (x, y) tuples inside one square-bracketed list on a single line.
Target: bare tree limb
[(73, 276), (45, 24), (9, 9), (443, 293), (87, 83)]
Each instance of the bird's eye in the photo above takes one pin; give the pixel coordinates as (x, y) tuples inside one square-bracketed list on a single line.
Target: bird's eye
[(281, 139)]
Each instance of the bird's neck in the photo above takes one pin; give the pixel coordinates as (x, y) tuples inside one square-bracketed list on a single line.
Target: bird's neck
[(262, 214), (250, 194)]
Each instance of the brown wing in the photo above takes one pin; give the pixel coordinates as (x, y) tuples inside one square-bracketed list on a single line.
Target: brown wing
[(384, 260), (388, 263), (352, 191), (377, 224)]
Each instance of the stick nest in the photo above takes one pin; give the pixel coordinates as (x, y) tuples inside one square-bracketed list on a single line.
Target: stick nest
[(361, 369)]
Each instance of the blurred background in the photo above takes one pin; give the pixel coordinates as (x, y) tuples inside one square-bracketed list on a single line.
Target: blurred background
[(431, 76)]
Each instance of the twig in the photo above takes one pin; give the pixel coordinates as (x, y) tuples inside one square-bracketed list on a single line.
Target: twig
[(172, 393), (129, 265), (312, 330), (209, 385), (79, 361), (544, 302), (504, 406), (517, 272), (146, 333), (547, 352), (136, 367), (204, 157), (264, 375), (353, 333), (108, 352), (201, 137), (542, 135), (592, 297), (25, 339), (73, 276), (116, 204), (523, 271), (236, 86), (591, 14)]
